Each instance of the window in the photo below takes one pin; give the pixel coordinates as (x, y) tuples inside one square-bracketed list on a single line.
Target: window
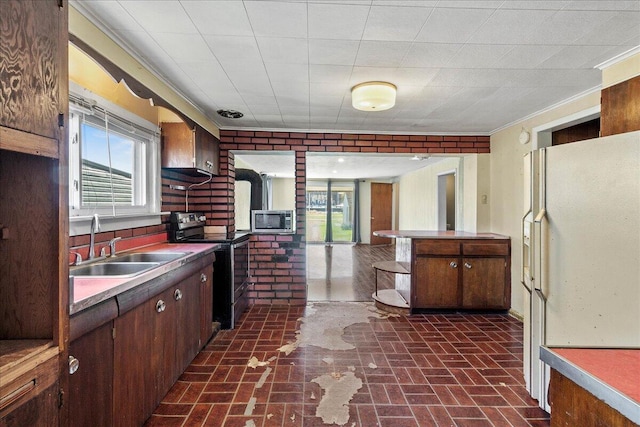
[(113, 162)]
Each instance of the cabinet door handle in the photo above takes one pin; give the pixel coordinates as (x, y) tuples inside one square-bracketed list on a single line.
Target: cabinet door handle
[(203, 277), (453, 264), (74, 364), (177, 295), (209, 164), (467, 265), (160, 306)]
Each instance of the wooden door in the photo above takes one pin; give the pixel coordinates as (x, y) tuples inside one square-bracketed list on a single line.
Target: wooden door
[(436, 282), (381, 202), (484, 282), (91, 386)]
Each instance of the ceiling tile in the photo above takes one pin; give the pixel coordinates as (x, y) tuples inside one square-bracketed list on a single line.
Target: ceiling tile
[(603, 5), (385, 54), (467, 77), (514, 26), (160, 16), (452, 25), (569, 57), (478, 55), (113, 13), (564, 27), (619, 28), (333, 52), (184, 47), (280, 71), (470, 4), (537, 4), (337, 21), (277, 19), (224, 18), (285, 50), (234, 48), (430, 55), (395, 23), (336, 74), (528, 56)]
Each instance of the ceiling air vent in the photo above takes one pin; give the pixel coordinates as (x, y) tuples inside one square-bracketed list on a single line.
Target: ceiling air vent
[(230, 114)]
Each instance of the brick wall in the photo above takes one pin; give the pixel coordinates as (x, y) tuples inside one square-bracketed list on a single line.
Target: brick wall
[(278, 264)]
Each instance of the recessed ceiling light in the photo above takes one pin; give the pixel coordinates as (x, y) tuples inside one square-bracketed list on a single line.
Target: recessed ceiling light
[(334, 171), (230, 114), (340, 160)]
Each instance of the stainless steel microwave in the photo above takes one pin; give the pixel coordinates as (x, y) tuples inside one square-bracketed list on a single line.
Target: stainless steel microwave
[(268, 221)]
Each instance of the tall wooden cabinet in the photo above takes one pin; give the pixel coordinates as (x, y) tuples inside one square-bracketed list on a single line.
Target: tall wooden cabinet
[(33, 212)]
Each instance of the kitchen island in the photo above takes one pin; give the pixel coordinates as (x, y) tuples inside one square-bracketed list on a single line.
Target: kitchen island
[(450, 270)]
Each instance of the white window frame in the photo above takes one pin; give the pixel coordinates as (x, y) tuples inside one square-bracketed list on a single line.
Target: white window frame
[(148, 168)]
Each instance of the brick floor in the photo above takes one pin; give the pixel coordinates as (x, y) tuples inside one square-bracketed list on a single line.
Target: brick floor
[(424, 370)]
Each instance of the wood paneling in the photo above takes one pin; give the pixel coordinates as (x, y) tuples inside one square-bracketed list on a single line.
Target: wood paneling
[(29, 261), (620, 108), (572, 405), (579, 132), (16, 140), (30, 52)]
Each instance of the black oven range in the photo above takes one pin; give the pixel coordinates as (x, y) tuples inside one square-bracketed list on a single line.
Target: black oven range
[(230, 269)]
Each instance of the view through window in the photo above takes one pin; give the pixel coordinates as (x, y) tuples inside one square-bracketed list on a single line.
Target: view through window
[(338, 199)]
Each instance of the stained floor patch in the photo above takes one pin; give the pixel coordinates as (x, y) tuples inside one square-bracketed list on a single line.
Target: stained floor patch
[(324, 323), (338, 390)]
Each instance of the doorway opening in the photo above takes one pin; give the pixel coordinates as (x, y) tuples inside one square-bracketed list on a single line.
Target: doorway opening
[(447, 201), (330, 211)]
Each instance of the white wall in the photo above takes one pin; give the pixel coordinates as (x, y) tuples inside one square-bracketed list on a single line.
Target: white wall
[(418, 195), (283, 193)]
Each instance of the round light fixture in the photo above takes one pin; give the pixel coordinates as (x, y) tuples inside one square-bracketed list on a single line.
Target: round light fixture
[(373, 96), (524, 136)]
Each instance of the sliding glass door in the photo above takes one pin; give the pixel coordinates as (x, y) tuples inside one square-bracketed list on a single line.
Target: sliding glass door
[(330, 211)]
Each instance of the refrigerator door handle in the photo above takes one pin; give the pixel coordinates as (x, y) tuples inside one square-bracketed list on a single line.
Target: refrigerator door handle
[(522, 253), (540, 255)]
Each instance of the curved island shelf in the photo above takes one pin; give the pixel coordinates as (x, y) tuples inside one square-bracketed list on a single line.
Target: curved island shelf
[(450, 270)]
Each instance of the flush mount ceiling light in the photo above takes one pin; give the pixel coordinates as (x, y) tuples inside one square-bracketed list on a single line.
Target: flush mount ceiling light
[(230, 114), (373, 96)]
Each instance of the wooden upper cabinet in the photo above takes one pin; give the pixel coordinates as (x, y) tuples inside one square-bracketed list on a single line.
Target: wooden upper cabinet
[(189, 150), (620, 111), (33, 61)]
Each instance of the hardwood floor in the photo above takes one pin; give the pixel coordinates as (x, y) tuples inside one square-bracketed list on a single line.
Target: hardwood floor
[(342, 272)]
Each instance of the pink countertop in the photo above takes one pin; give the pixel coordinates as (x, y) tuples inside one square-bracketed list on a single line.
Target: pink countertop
[(610, 374), (619, 368), (435, 234), (88, 291)]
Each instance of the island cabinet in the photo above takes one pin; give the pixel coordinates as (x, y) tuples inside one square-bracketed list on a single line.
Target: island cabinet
[(189, 150), (461, 274)]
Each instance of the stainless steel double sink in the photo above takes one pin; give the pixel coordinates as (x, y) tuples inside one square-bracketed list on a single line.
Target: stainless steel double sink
[(128, 265)]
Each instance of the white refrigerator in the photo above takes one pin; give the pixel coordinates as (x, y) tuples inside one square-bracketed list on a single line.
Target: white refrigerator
[(580, 250)]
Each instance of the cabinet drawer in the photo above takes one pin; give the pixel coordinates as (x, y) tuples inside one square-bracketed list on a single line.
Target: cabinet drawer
[(436, 247), (500, 249)]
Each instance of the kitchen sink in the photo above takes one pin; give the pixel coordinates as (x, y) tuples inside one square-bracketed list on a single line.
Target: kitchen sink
[(113, 269), (147, 257)]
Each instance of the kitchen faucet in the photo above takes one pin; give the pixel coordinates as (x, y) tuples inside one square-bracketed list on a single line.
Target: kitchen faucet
[(95, 226)]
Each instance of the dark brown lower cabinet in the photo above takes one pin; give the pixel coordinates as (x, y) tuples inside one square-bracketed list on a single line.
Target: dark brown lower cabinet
[(153, 345), (91, 386), (461, 274), (438, 285), (41, 410)]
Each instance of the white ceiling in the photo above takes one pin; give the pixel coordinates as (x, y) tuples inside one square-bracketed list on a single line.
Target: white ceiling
[(460, 66), (335, 166)]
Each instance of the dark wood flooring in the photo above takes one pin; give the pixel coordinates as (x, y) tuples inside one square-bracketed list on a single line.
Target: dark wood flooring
[(343, 272)]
